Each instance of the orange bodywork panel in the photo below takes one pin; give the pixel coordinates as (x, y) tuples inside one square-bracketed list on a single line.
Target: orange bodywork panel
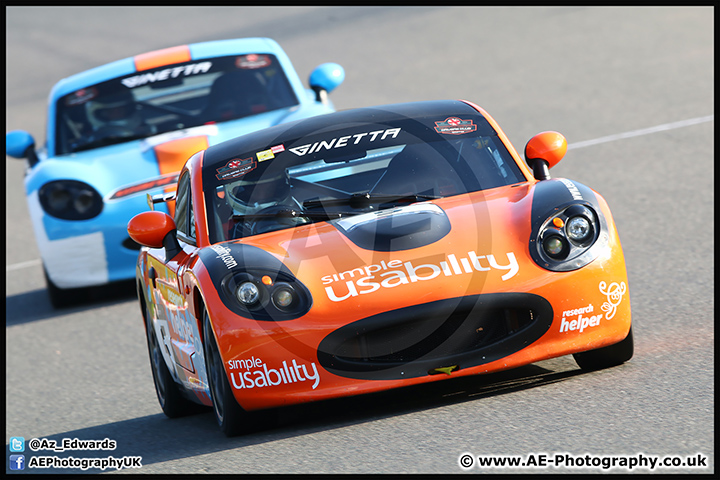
[(481, 285), (272, 363), (158, 58), (171, 156)]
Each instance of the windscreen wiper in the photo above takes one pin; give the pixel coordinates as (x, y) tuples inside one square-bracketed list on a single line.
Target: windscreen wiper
[(291, 213), (363, 200)]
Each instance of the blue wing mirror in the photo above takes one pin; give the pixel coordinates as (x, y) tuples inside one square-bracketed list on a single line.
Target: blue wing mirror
[(326, 78), (20, 144)]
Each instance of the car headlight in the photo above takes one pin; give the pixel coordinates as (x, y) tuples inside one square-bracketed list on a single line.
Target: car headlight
[(566, 239), (248, 293), (267, 295), (284, 296), (555, 246), (578, 229), (70, 200)]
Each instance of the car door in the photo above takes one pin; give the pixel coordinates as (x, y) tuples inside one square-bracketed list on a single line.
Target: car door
[(174, 321)]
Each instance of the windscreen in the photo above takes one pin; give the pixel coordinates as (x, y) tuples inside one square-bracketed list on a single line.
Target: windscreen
[(346, 172), (171, 97)]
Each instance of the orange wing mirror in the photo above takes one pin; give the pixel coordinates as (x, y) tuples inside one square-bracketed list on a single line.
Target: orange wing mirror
[(544, 151), (151, 228)]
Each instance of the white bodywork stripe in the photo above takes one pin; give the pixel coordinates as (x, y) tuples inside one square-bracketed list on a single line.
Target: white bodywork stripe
[(70, 262)]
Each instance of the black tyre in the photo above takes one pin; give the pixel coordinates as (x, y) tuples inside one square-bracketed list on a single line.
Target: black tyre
[(606, 357), (63, 297), (231, 417), (171, 399)]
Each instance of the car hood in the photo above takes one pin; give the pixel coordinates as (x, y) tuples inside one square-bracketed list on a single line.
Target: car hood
[(408, 255)]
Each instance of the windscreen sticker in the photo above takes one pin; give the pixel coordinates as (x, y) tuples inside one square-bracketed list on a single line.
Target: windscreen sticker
[(168, 73), (455, 126), (81, 96), (265, 155), (340, 142), (270, 153), (252, 61), (236, 168)]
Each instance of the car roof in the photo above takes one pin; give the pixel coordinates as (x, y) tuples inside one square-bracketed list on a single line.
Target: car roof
[(196, 51), (429, 111)]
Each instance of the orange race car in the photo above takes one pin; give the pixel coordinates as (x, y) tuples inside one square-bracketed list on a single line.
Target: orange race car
[(372, 249)]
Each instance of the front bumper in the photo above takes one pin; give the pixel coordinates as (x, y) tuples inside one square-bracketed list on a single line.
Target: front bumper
[(78, 254), (419, 340), (319, 356)]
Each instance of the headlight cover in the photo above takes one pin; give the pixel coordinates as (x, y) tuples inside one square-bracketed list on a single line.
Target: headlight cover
[(264, 295), (70, 200), (579, 229), (248, 293), (569, 238)]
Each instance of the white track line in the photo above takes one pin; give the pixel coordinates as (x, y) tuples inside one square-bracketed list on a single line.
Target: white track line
[(643, 131), (28, 264), (586, 143)]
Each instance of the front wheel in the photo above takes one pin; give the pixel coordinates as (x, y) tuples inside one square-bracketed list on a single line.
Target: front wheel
[(171, 399), (63, 297), (231, 417), (606, 357)]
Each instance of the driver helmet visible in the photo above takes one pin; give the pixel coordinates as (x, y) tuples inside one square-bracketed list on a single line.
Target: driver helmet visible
[(115, 110), (247, 197)]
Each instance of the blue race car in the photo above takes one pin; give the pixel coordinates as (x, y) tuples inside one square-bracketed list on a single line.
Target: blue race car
[(123, 130)]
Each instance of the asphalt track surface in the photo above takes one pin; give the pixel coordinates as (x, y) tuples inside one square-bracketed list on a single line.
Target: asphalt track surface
[(633, 91)]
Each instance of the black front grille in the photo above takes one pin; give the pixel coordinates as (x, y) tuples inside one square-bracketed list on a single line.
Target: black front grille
[(413, 341)]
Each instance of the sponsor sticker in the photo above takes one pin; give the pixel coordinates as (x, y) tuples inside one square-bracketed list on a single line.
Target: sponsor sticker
[(265, 155), (572, 188), (395, 273), (455, 126), (254, 373), (224, 254), (578, 319), (614, 294), (81, 96), (340, 142), (252, 61), (166, 74), (236, 168), (581, 321)]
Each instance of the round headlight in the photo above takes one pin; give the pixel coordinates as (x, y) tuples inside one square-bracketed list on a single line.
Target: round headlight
[(554, 246), (283, 297), (83, 201), (70, 200), (58, 198), (578, 229), (248, 293)]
